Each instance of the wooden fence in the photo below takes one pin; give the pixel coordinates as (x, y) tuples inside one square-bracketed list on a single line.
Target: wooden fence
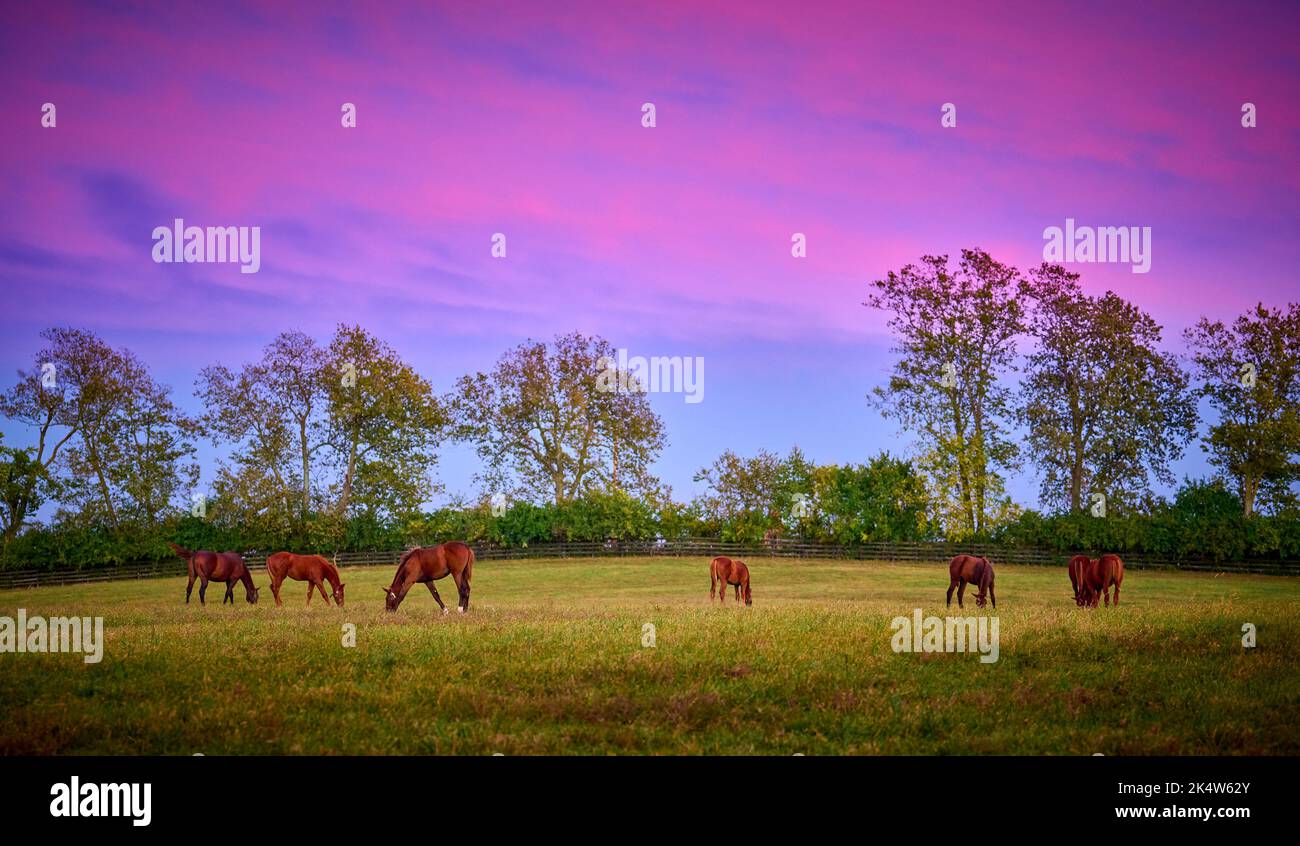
[(920, 552)]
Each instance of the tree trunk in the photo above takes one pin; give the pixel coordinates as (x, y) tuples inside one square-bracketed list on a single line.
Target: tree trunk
[(346, 495), (306, 470)]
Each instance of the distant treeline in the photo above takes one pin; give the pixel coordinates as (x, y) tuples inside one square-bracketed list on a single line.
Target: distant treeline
[(1204, 521), (333, 444)]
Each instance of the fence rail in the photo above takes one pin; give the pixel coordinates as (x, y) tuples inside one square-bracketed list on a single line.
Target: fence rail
[(916, 552)]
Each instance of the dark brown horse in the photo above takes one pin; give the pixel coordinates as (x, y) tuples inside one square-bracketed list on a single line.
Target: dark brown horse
[(313, 569), (426, 564), (225, 567), (968, 569), (729, 571), (1100, 576), (1078, 566)]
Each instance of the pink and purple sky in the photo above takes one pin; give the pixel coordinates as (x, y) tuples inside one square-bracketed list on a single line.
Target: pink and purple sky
[(772, 118)]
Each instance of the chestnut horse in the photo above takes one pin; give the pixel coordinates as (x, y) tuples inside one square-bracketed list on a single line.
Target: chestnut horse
[(1078, 566), (964, 569), (426, 564), (1099, 577), (729, 571), (313, 569), (225, 567)]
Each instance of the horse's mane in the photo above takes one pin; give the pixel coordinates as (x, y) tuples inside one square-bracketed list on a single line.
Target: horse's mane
[(401, 562)]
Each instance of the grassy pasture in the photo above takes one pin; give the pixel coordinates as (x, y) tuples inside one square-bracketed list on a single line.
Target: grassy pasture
[(550, 661)]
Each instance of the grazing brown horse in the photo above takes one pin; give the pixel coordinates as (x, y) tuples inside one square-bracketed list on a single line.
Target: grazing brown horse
[(1100, 576), (1078, 566), (225, 567), (313, 569), (968, 569), (729, 571), (426, 564)]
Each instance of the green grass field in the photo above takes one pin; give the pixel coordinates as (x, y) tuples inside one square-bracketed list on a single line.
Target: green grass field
[(550, 661)]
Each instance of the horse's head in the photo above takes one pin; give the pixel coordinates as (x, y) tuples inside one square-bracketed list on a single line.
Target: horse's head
[(984, 576), (251, 596), (338, 594), (391, 599)]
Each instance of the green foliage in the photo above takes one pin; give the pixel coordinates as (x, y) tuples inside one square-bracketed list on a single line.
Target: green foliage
[(881, 501), (1250, 373), (1204, 521), (955, 331), (753, 498)]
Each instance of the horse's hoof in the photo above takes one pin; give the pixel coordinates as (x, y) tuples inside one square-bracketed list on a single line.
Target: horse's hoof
[(460, 610), (445, 612)]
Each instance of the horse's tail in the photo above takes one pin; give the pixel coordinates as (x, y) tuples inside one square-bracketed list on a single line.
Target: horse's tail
[(181, 552)]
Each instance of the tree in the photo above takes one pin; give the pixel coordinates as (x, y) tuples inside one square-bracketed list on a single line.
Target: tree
[(273, 411), (753, 495), (111, 431), (40, 401), (956, 334), (24, 486), (383, 425), (547, 425), (882, 500), (1250, 372), (1105, 410)]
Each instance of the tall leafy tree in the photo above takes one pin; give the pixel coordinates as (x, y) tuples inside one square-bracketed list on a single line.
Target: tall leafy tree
[(1250, 373), (956, 334), (123, 449), (274, 413), (43, 403), (1105, 410), (383, 425), (547, 426)]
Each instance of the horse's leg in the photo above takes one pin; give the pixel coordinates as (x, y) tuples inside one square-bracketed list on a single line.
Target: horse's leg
[(713, 583), (230, 594), (189, 588), (1117, 594), (203, 591), (961, 593), (311, 588), (951, 587), (275, 590), (321, 587), (438, 599), (462, 591), (993, 597), (738, 592)]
